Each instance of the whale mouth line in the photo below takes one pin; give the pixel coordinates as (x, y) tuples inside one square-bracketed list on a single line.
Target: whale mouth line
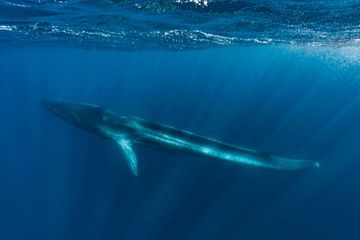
[(76, 117)]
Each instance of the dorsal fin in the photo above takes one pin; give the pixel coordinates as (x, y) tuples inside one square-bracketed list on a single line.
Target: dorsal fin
[(129, 154)]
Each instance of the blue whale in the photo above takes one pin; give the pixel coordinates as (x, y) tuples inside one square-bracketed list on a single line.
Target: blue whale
[(126, 131)]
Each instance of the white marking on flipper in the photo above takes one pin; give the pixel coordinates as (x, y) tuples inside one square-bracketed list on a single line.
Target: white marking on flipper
[(125, 145), (129, 154)]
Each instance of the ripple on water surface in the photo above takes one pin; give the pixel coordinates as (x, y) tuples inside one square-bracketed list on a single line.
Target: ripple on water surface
[(180, 24)]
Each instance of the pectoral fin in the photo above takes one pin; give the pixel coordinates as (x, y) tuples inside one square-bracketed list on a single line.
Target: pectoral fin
[(129, 155)]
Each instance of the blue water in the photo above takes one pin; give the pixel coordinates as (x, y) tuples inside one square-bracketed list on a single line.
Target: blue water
[(295, 96), (179, 24)]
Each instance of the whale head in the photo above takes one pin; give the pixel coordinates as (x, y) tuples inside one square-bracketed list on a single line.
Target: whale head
[(86, 116)]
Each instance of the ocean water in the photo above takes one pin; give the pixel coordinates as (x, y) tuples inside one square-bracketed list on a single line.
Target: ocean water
[(275, 76)]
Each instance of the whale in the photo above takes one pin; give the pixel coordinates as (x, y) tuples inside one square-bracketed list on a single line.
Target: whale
[(127, 131)]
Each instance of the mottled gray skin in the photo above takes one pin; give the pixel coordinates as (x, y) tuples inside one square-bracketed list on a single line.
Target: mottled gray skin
[(128, 130)]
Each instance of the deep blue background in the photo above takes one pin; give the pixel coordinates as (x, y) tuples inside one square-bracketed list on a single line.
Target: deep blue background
[(58, 182)]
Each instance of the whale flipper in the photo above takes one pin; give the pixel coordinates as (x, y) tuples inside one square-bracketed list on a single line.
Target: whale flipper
[(129, 154)]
